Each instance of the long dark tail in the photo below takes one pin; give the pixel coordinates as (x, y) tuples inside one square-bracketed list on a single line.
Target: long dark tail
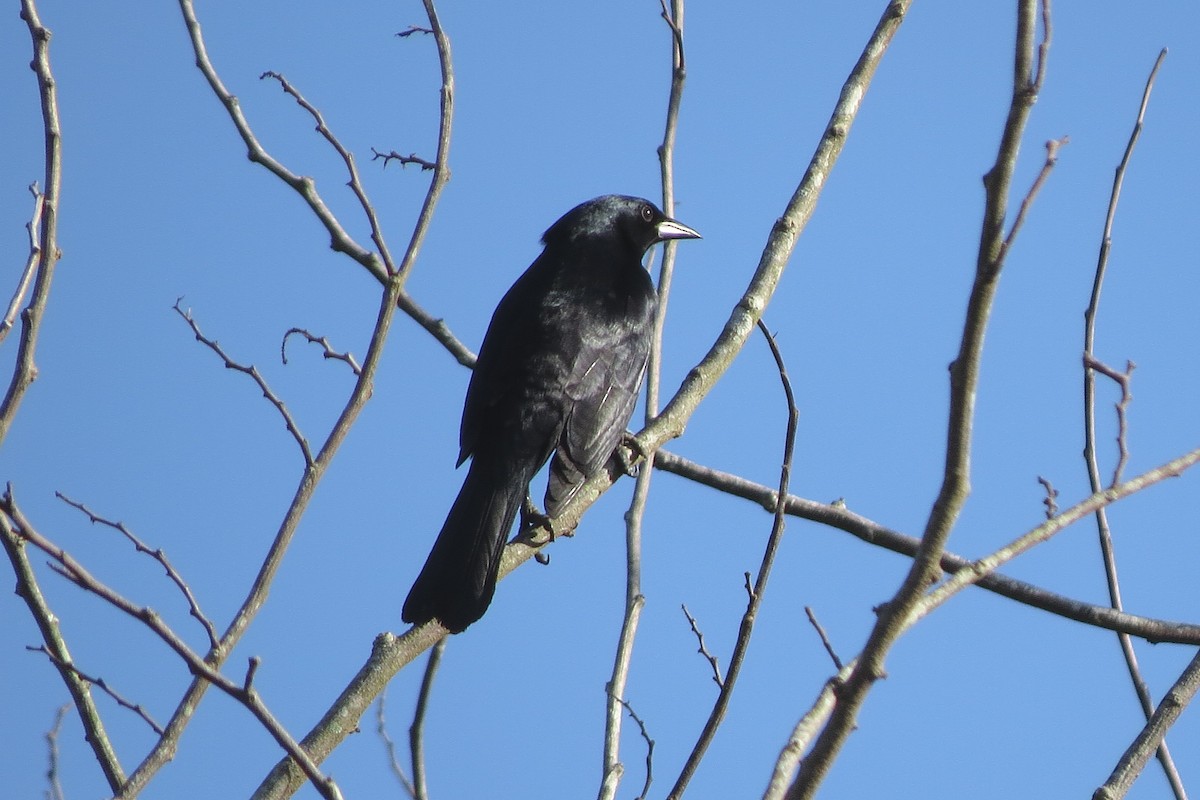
[(459, 577)]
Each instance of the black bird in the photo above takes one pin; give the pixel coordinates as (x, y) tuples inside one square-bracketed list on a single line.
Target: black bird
[(558, 372)]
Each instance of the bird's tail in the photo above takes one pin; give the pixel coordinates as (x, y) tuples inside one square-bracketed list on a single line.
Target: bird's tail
[(459, 577)]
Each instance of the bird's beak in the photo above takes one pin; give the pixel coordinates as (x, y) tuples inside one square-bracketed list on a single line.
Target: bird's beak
[(671, 229)]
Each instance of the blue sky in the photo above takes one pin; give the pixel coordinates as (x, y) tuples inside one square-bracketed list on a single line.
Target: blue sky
[(557, 103)]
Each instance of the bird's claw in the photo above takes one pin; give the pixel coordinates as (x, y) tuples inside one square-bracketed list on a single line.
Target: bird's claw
[(630, 454), (532, 517)]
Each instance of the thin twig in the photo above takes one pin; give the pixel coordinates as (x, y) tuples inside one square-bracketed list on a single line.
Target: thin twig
[(402, 160), (329, 353), (256, 376), (31, 264), (742, 645), (702, 649), (1051, 499), (158, 555), (1123, 380), (136, 708), (416, 731), (812, 618), (649, 747), (55, 790), (390, 747), (1052, 148), (1092, 365), (355, 183)]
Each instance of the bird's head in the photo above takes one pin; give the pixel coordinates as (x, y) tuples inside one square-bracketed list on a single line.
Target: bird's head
[(631, 220)]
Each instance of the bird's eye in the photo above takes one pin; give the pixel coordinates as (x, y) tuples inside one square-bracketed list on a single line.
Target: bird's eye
[(647, 213)]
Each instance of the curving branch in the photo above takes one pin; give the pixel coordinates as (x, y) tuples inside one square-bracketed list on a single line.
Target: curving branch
[(329, 353), (43, 227), (742, 644)]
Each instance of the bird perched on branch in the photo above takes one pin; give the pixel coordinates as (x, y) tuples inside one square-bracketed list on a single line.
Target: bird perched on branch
[(558, 373)]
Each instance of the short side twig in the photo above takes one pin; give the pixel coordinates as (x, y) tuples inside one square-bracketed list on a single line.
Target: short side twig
[(256, 376), (323, 341), (702, 648), (649, 747), (389, 745), (355, 183), (812, 618), (55, 792), (120, 700), (31, 264)]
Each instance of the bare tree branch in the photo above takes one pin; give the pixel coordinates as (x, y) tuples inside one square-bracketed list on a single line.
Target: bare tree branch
[(742, 645), (872, 533), (1151, 738), (285, 778), (611, 767), (403, 161), (1092, 365), (964, 380), (45, 253), (70, 568), (390, 300)]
